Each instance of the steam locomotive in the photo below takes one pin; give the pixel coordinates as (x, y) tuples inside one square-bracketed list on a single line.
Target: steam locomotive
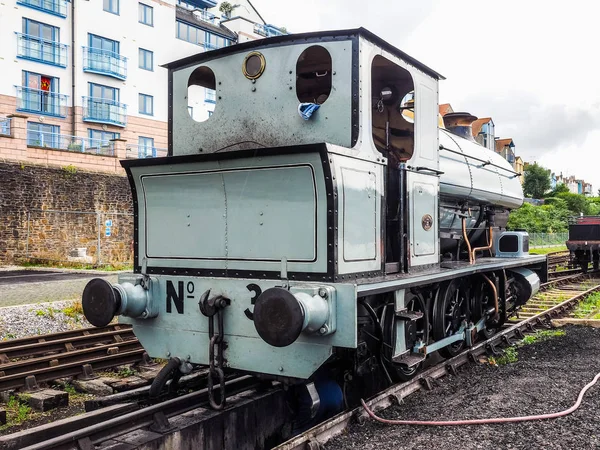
[(323, 223)]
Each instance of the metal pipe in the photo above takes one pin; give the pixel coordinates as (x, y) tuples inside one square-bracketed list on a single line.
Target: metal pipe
[(485, 421), (487, 247), (495, 292), (466, 238)]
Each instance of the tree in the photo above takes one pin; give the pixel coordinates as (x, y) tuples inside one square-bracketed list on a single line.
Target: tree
[(537, 181), (227, 8), (560, 189)]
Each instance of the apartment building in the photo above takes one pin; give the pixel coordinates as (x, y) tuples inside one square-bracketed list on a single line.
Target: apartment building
[(81, 82)]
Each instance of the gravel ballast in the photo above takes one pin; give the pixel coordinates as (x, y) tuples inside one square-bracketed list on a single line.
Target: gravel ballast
[(547, 377), (41, 318)]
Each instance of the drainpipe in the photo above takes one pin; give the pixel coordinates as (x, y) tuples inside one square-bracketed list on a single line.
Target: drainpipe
[(73, 68)]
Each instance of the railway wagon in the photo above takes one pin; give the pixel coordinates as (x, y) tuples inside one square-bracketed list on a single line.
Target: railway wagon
[(323, 227), (584, 241)]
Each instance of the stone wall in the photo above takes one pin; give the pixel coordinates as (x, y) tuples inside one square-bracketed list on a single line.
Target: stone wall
[(60, 214)]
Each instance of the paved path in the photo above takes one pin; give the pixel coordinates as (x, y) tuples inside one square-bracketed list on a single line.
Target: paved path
[(22, 287)]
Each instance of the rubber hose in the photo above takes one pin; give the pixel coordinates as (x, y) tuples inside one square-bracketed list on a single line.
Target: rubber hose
[(436, 423), (163, 376)]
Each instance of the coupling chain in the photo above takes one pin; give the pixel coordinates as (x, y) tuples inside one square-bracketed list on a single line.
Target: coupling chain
[(210, 308)]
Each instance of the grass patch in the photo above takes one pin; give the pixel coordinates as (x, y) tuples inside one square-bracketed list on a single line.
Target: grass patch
[(546, 250), (125, 372), (17, 412), (588, 307), (75, 310), (541, 335), (509, 355)]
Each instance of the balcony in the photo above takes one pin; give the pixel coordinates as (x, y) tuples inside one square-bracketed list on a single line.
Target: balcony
[(41, 102), (210, 96), (65, 142), (104, 62), (100, 110), (5, 129), (41, 50), (267, 30), (55, 7), (142, 151), (196, 4)]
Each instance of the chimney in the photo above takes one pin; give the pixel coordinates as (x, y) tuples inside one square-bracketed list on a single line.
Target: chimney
[(460, 123)]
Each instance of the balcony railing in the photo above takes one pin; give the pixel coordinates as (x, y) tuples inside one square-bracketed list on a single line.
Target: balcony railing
[(5, 123), (65, 142), (56, 7), (143, 151), (104, 111), (41, 50), (267, 30), (104, 62), (197, 4), (41, 102), (210, 96)]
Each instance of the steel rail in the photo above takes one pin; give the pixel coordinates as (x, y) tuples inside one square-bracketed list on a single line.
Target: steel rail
[(46, 344), (74, 368), (64, 433), (313, 438), (5, 345)]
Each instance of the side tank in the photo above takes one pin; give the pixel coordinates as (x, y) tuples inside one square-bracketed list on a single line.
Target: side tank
[(474, 179)]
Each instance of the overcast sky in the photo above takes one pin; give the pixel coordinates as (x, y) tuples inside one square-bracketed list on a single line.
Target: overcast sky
[(532, 65)]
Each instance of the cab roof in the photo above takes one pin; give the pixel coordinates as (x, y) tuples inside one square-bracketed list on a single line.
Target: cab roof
[(305, 37)]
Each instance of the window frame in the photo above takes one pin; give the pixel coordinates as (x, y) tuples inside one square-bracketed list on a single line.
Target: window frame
[(114, 134), (54, 131), (27, 22), (143, 10), (110, 7), (142, 100), (142, 56), (116, 92), (116, 45)]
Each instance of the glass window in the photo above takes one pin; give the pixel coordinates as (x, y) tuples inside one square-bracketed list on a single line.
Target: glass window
[(146, 59), (42, 135), (146, 104), (104, 136), (102, 43), (195, 35), (41, 30), (112, 6), (146, 147), (146, 14), (104, 92)]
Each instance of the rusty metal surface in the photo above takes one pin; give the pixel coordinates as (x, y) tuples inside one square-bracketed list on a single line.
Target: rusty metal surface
[(48, 357), (198, 427)]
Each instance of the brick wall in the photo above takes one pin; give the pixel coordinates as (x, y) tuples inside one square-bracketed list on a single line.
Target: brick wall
[(48, 213)]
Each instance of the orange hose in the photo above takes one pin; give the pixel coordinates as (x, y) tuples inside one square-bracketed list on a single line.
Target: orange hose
[(495, 291), (438, 423)]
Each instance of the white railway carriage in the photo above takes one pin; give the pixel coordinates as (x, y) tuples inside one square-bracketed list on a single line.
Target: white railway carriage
[(319, 224)]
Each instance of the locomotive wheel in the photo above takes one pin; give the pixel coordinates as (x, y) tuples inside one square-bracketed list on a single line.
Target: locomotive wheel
[(450, 309), (482, 301)]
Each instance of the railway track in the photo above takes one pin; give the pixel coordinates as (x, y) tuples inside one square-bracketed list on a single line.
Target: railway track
[(136, 420), (557, 259), (28, 361)]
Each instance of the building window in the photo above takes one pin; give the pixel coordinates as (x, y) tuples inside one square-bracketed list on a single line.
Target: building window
[(195, 35), (146, 14), (39, 93), (98, 91), (104, 44), (146, 147), (103, 136), (146, 59), (43, 135), (146, 104), (41, 30), (41, 42), (111, 6)]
